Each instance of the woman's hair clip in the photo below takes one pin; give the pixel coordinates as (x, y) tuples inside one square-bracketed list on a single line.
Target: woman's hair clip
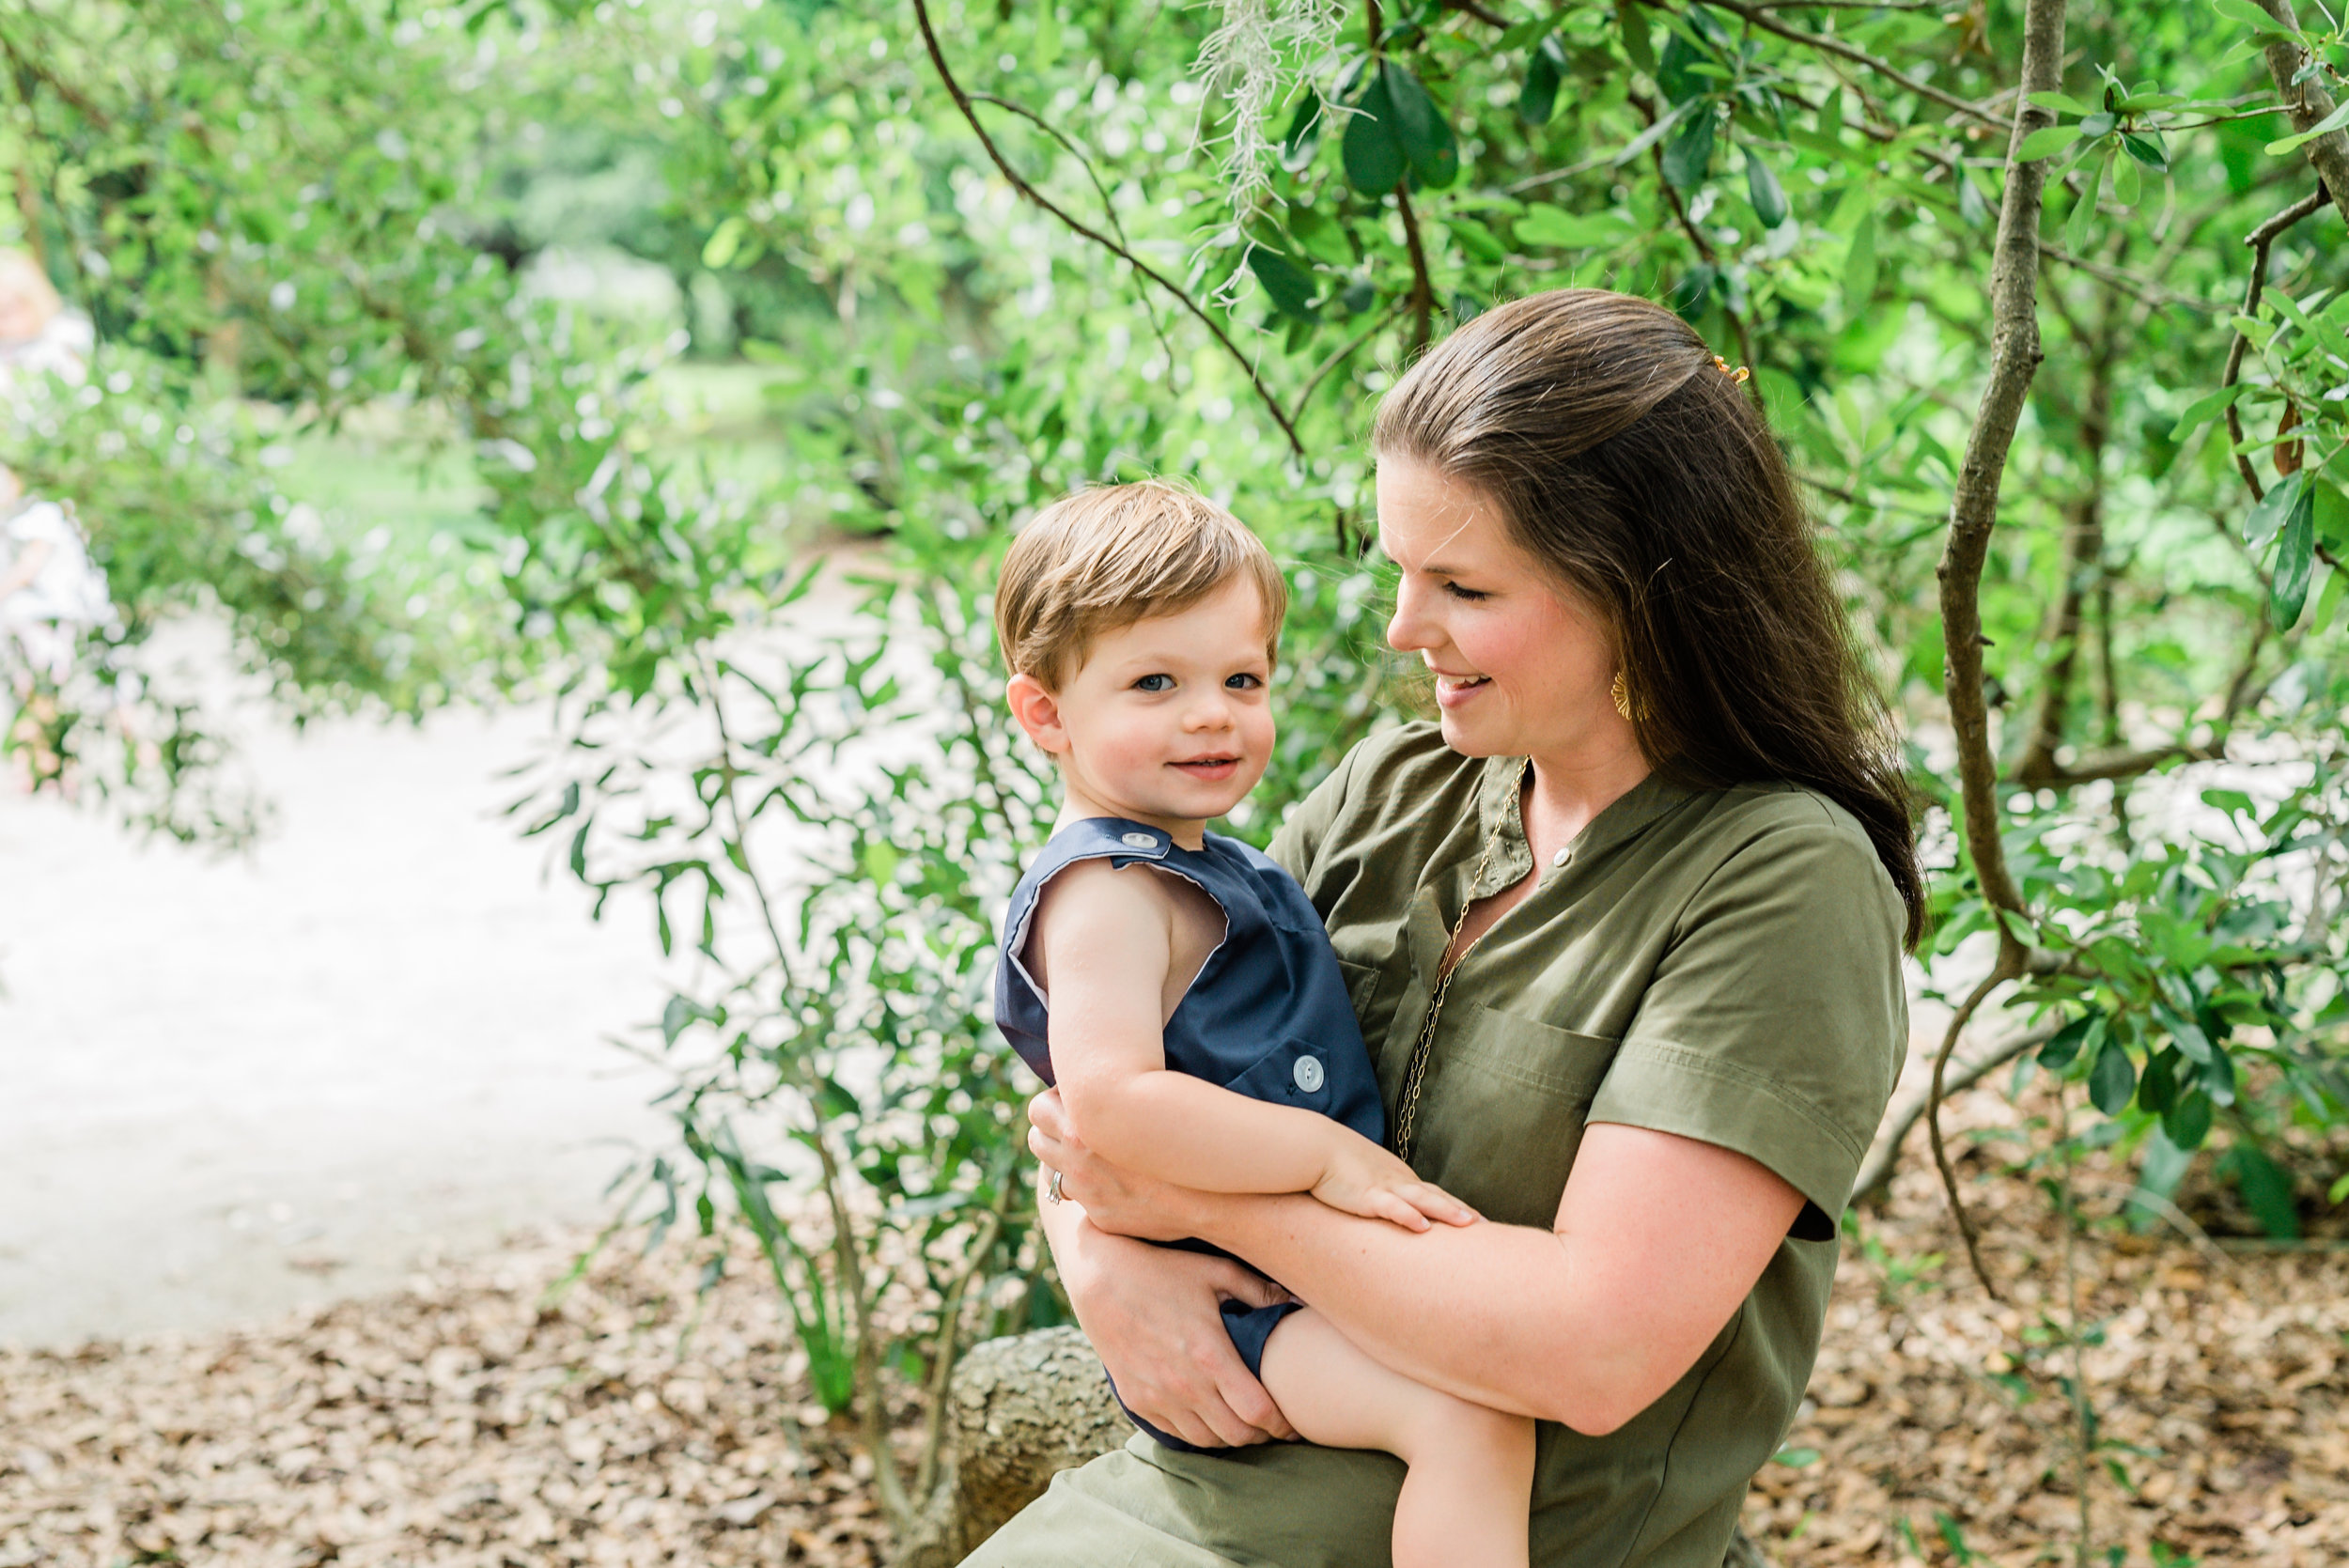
[(1737, 373)]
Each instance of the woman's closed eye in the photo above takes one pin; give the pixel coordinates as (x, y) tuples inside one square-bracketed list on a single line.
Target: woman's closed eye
[(1471, 595)]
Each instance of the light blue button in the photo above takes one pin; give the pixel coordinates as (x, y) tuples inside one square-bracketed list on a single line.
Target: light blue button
[(1138, 841), (1308, 1073)]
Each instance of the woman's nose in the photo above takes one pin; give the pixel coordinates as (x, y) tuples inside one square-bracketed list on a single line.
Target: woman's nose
[(1406, 632)]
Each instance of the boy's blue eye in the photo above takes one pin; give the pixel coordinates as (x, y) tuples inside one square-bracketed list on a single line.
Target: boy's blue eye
[(1155, 683), (1243, 682)]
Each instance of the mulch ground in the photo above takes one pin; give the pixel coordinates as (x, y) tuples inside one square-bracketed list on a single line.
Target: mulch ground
[(470, 1420)]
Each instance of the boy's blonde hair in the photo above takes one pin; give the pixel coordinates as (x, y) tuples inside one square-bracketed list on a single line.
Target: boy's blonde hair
[(1101, 559)]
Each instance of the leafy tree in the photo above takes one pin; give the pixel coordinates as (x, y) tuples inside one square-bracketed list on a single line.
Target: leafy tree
[(2046, 306)]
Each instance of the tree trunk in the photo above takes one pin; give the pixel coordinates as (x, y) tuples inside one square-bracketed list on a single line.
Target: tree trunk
[(1023, 1410)]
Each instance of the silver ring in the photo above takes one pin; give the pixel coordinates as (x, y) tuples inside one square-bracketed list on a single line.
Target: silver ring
[(1052, 1193)]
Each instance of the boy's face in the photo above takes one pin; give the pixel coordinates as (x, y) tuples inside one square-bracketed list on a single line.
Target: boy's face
[(1167, 722)]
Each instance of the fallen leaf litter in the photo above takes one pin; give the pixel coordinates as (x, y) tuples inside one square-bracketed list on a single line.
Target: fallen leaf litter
[(469, 1422)]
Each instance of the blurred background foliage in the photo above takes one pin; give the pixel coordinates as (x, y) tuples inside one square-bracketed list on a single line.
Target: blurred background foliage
[(690, 364)]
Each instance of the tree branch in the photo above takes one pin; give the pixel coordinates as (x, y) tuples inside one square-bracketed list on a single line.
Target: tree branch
[(2308, 103), (1018, 183), (1423, 299), (2260, 239), (1705, 253), (1760, 17), (1973, 512), (1883, 1154), (2015, 355)]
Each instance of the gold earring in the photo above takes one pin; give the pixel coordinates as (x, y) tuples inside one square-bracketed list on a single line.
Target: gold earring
[(1622, 693)]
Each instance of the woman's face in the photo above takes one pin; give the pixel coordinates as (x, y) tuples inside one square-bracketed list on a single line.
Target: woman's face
[(1523, 664)]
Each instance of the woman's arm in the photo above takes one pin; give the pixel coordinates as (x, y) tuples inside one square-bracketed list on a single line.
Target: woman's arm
[(1152, 1313), (1657, 1240)]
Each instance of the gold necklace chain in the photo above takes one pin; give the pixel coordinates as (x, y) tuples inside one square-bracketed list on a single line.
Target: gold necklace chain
[(1415, 1071)]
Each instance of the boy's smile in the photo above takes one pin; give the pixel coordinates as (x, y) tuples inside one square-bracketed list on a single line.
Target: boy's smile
[(1167, 722)]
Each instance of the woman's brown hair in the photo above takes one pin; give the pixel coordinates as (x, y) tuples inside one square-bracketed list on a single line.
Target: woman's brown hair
[(1629, 463)]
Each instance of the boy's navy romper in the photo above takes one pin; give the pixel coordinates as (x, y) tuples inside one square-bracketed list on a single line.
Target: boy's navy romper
[(1268, 1015)]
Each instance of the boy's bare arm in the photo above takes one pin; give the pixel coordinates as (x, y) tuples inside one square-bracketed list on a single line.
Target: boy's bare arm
[(1107, 939)]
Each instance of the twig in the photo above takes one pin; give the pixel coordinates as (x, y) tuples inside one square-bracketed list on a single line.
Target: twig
[(1703, 249), (1423, 299), (2305, 97), (950, 1336), (2082, 1421), (1760, 17), (1470, 7), (1345, 350), (2143, 290), (2000, 974), (848, 1254), (1018, 183), (1883, 1154), (2260, 239)]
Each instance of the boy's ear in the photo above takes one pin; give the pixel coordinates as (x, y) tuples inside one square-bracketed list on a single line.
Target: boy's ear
[(1037, 713)]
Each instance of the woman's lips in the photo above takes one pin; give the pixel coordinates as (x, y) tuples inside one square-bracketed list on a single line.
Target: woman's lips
[(1452, 691), (1208, 768)]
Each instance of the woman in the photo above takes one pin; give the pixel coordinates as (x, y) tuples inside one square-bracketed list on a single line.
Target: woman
[(1624, 929)]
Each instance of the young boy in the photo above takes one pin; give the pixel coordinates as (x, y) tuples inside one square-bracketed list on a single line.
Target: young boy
[(1177, 985)]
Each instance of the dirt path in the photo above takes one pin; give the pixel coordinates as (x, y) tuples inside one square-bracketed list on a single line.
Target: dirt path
[(230, 1087)]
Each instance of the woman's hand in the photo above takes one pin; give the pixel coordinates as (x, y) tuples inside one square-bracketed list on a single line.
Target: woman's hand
[(1153, 1313), (1118, 1201)]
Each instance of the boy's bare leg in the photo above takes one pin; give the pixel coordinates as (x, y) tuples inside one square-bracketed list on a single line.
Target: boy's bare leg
[(1464, 1503)]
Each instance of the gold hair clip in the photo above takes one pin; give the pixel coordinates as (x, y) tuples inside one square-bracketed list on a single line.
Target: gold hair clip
[(1737, 373)]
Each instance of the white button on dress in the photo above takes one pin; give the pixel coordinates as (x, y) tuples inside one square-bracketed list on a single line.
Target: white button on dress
[(1562, 857), (1138, 841), (1308, 1073)]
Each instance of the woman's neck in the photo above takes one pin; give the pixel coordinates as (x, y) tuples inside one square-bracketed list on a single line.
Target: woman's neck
[(1567, 793)]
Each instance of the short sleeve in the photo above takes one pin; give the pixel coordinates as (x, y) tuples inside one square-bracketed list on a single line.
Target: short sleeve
[(1776, 1019), (1298, 842)]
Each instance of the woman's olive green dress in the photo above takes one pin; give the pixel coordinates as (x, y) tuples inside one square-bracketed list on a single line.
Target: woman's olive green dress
[(1719, 964)]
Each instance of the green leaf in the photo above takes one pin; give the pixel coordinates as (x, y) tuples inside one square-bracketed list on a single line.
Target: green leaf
[(1373, 156), (2112, 1080), (2158, 1090), (1764, 191), (2188, 1123), (2085, 1033), (2127, 184), (2061, 103), (1691, 152), (2046, 139), (674, 1016), (2097, 127), (1860, 267), (1970, 206), (2203, 410), (2266, 1191), (2330, 123), (2295, 556), (2252, 16), (1420, 126), (1538, 99), (2273, 510), (724, 240), (1639, 45), (2081, 226), (1556, 228), (2332, 514), (1289, 287), (2147, 149)]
